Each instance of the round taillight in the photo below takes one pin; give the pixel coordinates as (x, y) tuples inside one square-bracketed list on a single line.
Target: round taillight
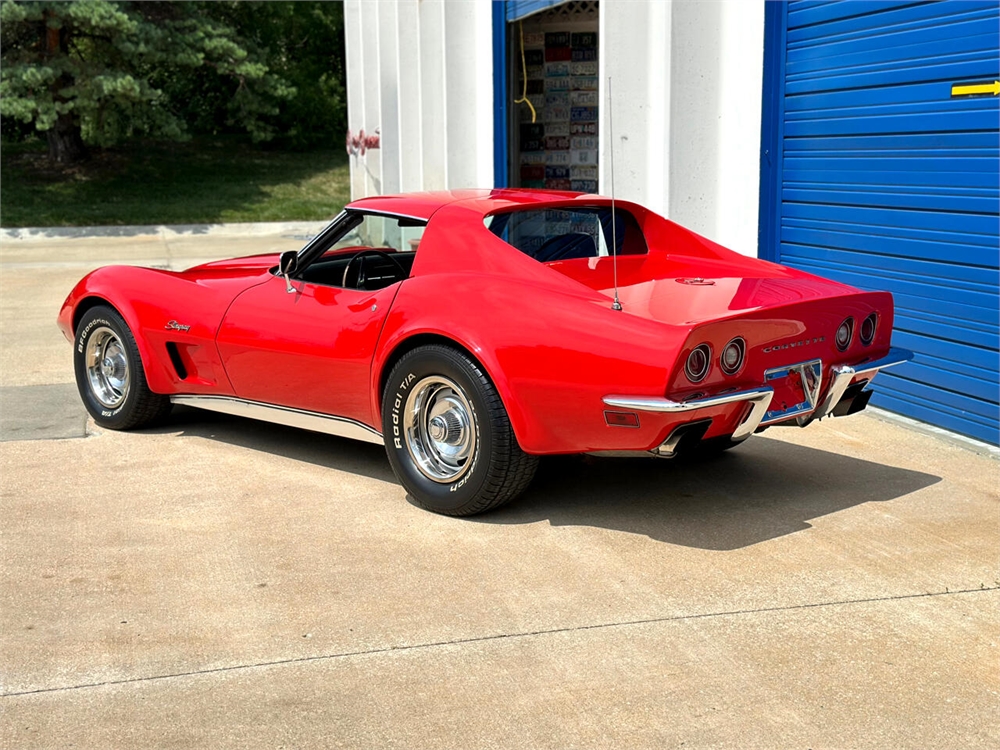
[(698, 361), (868, 327), (732, 356), (845, 333)]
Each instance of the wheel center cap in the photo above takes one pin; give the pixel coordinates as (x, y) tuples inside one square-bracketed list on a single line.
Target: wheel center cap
[(107, 367), (437, 428)]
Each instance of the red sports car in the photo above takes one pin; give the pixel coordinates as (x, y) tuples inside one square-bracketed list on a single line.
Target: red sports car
[(473, 331)]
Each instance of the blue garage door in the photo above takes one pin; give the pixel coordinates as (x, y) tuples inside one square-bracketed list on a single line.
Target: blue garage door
[(881, 168)]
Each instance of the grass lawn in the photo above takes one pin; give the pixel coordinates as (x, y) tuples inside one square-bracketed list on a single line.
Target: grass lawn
[(201, 182)]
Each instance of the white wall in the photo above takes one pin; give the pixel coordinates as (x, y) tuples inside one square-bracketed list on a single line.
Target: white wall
[(421, 72), (717, 63), (687, 129), (635, 54), (686, 83)]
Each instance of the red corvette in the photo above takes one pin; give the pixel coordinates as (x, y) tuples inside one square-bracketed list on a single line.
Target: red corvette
[(474, 331)]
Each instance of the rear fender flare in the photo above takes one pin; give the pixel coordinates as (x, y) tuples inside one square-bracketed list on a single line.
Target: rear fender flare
[(402, 342)]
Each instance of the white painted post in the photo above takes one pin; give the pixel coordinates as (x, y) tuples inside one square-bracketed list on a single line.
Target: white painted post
[(410, 96), (388, 92), (432, 88)]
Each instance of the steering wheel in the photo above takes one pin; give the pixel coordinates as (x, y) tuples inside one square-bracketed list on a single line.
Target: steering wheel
[(359, 257)]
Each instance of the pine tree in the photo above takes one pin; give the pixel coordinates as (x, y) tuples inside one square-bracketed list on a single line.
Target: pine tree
[(96, 71)]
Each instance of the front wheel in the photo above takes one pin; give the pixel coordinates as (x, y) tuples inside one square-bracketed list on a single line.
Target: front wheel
[(448, 436), (109, 373)]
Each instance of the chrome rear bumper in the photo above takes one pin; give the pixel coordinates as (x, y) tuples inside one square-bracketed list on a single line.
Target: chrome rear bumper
[(759, 397), (843, 375)]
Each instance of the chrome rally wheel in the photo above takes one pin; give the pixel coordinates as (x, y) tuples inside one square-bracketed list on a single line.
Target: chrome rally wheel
[(107, 367), (109, 373), (448, 436), (441, 431)]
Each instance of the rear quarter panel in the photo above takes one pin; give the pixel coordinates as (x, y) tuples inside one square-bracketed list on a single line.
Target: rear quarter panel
[(552, 356)]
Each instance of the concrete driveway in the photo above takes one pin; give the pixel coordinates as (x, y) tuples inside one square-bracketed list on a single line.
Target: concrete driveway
[(222, 583)]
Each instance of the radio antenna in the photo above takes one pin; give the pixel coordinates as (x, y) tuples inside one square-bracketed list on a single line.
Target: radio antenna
[(616, 305)]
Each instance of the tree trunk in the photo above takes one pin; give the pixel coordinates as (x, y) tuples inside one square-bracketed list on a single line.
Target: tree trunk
[(66, 141), (65, 138)]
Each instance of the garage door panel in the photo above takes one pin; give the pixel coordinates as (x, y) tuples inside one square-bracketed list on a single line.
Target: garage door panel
[(962, 368), (949, 240), (980, 119), (934, 413), (887, 110), (905, 270), (948, 33), (891, 242), (880, 165), (976, 334), (886, 20), (912, 334), (958, 402), (961, 304), (858, 9), (884, 180), (856, 196), (947, 181), (960, 181), (930, 350), (934, 372), (971, 361), (942, 191), (840, 249), (889, 98), (970, 39), (969, 69), (939, 221), (914, 143)]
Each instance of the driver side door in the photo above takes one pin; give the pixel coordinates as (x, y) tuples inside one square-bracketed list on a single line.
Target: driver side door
[(310, 350), (309, 344)]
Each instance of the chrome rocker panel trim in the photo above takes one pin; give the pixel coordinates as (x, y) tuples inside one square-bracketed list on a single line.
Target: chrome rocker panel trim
[(844, 374), (306, 420), (759, 397)]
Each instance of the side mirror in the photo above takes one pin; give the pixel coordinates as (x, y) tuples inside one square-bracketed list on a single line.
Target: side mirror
[(287, 265)]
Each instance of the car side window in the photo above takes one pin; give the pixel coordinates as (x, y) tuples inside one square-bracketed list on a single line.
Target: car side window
[(364, 251), (392, 234)]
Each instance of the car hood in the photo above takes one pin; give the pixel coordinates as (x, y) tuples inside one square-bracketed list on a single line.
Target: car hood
[(252, 265), (686, 290)]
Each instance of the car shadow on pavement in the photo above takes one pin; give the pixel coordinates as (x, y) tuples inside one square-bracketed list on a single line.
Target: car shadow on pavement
[(761, 490)]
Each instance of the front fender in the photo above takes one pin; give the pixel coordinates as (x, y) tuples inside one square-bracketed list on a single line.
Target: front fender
[(150, 300), (115, 286)]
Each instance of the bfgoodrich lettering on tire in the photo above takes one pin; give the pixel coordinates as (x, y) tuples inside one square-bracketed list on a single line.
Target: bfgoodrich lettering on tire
[(109, 373), (448, 436)]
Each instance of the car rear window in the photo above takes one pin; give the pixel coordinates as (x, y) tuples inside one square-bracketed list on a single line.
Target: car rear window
[(552, 234)]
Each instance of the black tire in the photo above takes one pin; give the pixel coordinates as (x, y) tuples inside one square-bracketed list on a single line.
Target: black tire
[(496, 469), (132, 404)]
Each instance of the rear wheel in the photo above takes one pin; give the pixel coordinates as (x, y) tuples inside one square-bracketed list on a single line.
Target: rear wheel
[(109, 373), (448, 436)]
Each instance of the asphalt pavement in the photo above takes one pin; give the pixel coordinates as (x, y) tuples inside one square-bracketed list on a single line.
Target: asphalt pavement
[(216, 582)]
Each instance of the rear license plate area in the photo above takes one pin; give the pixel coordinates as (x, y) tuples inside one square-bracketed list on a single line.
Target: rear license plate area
[(796, 390)]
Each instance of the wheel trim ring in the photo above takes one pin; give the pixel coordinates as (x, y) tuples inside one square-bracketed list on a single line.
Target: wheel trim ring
[(108, 372), (449, 457)]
